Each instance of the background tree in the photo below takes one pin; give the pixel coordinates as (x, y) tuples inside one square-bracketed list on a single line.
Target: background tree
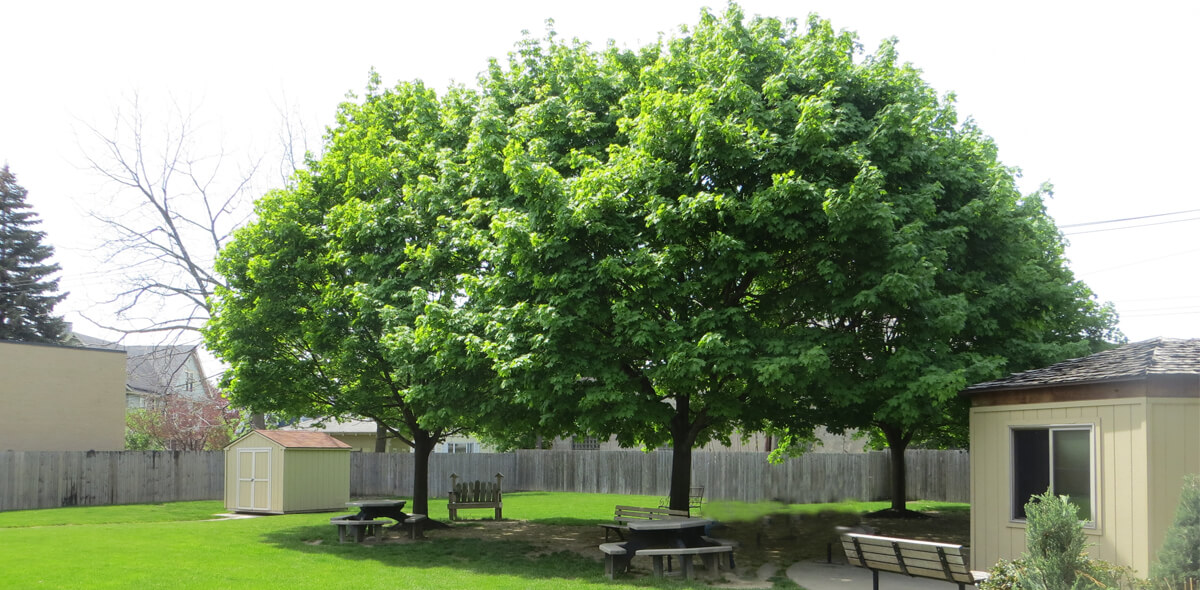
[(341, 294), (183, 423), (644, 275), (936, 272), (173, 205), (28, 294)]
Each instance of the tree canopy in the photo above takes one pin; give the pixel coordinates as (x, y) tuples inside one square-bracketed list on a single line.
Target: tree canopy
[(752, 225), (782, 232), (28, 294), (334, 292)]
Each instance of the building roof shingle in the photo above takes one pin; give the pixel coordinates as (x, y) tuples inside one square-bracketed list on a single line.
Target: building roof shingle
[(294, 439), (1136, 360)]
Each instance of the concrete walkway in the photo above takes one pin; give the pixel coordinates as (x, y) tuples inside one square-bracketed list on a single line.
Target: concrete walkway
[(818, 575)]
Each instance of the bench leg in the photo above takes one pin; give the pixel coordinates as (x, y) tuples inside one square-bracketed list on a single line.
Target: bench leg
[(453, 514), (658, 565), (686, 566), (610, 569), (499, 513), (341, 533), (710, 563), (875, 579)]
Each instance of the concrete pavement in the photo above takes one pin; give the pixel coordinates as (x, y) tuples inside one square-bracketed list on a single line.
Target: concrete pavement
[(818, 575)]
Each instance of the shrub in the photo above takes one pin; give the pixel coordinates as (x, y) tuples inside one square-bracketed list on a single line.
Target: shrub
[(1055, 555), (1179, 559)]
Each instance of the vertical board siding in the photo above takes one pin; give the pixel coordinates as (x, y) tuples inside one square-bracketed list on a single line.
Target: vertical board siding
[(30, 479)]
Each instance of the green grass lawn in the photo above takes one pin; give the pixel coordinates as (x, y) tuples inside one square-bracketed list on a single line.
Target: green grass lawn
[(172, 546)]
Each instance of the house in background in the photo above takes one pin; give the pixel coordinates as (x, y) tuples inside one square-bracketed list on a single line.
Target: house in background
[(61, 398), (757, 442), (155, 372), (1115, 431), (361, 435)]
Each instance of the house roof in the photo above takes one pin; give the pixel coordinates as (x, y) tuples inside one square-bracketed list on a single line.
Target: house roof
[(334, 426), (1136, 360), (148, 369), (294, 439)]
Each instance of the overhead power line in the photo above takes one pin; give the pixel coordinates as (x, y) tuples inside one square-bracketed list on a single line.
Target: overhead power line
[(1127, 219)]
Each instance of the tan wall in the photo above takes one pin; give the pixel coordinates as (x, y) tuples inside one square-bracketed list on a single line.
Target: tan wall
[(59, 398), (316, 479), (1174, 451), (1121, 533)]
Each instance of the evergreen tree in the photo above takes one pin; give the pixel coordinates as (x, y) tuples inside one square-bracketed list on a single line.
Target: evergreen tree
[(27, 294), (1179, 559)]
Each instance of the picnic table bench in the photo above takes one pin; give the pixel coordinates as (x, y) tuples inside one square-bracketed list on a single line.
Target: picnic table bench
[(924, 559), (348, 525), (669, 537), (475, 494), (368, 522), (623, 515)]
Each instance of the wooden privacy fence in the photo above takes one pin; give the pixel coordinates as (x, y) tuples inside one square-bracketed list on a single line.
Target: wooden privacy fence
[(50, 479), (749, 477)]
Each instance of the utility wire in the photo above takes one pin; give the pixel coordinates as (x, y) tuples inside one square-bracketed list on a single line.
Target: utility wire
[(1129, 227), (1126, 219)]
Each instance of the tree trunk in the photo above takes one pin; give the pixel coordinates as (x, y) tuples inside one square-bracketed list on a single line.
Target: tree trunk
[(423, 445), (898, 441), (682, 437), (380, 438)]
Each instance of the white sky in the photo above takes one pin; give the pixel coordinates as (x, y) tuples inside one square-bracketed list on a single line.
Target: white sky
[(1096, 97)]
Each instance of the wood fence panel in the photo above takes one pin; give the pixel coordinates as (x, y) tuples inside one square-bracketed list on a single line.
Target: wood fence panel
[(30, 479)]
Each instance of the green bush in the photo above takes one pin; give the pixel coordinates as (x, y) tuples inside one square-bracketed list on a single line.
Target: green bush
[(1055, 555), (1179, 558)]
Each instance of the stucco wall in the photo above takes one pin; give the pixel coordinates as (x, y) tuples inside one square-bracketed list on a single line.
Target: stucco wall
[(59, 398)]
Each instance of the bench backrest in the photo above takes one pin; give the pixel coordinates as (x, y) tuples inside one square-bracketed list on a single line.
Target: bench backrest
[(474, 491), (628, 513), (906, 556)]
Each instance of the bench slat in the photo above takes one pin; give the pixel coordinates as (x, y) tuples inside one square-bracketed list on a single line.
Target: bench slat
[(940, 561)]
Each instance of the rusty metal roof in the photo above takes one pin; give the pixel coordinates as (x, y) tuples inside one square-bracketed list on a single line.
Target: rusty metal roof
[(1136, 360), (293, 439)]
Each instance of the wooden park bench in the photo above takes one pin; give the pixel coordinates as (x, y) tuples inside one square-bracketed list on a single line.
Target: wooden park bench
[(707, 554), (624, 514), (359, 529), (923, 559), (475, 494), (695, 499)]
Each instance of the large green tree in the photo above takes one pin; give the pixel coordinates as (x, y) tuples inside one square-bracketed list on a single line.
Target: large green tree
[(28, 294), (342, 295), (781, 231)]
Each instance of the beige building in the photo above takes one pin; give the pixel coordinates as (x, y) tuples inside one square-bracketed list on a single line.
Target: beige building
[(757, 442), (362, 434), (61, 398), (1115, 431), (280, 472)]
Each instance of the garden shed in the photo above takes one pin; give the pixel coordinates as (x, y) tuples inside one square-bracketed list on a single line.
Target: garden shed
[(278, 472), (1116, 431)]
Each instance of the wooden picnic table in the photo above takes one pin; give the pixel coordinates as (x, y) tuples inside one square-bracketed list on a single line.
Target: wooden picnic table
[(681, 537), (373, 509)]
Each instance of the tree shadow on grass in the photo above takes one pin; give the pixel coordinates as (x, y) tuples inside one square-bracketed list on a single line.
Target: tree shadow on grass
[(477, 555)]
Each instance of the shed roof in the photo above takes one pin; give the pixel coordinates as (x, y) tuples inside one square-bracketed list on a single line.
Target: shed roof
[(293, 439), (1136, 360)]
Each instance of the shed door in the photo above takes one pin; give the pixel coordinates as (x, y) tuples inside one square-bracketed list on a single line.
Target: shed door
[(254, 479)]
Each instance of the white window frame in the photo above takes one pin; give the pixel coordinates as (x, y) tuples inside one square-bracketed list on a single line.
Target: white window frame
[(1093, 520)]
